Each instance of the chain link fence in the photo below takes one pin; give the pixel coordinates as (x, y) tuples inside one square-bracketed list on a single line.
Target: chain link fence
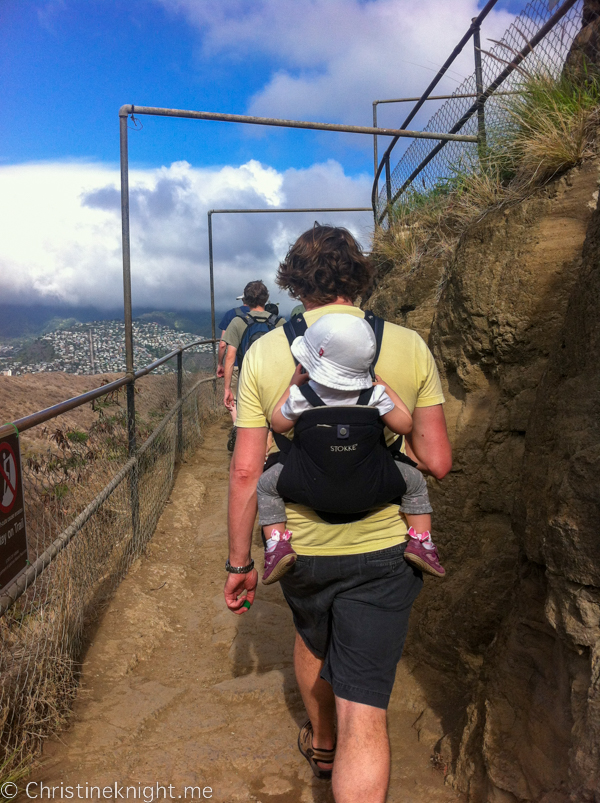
[(414, 176), (91, 508)]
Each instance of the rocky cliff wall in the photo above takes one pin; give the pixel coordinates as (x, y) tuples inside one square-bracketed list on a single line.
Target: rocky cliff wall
[(509, 644)]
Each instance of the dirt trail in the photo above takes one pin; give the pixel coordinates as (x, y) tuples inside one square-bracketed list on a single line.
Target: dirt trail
[(176, 690)]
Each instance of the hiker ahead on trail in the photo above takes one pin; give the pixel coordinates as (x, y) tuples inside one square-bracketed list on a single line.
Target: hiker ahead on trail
[(244, 330)]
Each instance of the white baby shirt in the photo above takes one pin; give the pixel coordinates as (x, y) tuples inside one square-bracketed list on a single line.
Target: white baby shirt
[(297, 404)]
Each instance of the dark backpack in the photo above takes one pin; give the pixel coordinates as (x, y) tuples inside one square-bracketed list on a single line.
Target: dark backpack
[(255, 329), (338, 463)]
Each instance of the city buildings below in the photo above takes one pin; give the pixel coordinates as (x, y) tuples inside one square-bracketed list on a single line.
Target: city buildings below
[(95, 348)]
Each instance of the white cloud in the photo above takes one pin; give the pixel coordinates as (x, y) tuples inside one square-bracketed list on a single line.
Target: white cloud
[(332, 58), (61, 229)]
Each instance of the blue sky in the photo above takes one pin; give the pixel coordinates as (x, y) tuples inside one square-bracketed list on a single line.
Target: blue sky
[(68, 65)]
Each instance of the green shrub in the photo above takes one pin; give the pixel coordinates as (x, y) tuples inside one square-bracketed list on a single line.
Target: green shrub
[(76, 436), (551, 126)]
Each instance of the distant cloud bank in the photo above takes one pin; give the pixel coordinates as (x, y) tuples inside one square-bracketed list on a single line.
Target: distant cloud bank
[(327, 59), (61, 222)]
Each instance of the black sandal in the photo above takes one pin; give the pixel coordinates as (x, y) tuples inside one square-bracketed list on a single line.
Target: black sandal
[(314, 754)]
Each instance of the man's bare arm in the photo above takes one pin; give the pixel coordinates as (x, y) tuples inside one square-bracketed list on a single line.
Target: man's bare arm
[(428, 442), (221, 356), (229, 363), (246, 468)]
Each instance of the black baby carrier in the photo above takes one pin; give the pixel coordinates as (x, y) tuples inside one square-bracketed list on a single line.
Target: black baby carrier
[(338, 463)]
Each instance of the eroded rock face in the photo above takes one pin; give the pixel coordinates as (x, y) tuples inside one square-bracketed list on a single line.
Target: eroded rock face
[(584, 55), (557, 522), (508, 643)]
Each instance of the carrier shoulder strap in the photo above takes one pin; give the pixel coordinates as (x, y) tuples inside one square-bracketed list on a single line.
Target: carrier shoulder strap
[(310, 396), (295, 327), (364, 397), (376, 325), (284, 444)]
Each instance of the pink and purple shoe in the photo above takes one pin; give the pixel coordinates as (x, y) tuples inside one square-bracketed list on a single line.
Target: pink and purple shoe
[(278, 558), (422, 553)]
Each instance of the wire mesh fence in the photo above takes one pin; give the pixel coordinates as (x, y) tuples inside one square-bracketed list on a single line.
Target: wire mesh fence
[(425, 165), (84, 492)]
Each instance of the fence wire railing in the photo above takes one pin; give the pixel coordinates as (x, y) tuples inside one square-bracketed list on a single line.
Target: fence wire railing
[(426, 165), (91, 508)]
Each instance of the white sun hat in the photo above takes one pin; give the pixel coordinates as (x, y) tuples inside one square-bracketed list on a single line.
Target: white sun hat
[(337, 351)]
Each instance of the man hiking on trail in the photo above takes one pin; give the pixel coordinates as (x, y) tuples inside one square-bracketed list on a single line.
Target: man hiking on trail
[(223, 324), (350, 589), (336, 465), (253, 312)]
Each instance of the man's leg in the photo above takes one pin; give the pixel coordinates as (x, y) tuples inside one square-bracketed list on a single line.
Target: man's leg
[(317, 696), (369, 625), (362, 760)]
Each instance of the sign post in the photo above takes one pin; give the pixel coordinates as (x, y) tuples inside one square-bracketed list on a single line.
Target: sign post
[(13, 533)]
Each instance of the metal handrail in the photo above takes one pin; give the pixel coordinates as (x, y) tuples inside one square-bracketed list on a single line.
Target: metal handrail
[(430, 97), (129, 108), (29, 421), (148, 368), (18, 587)]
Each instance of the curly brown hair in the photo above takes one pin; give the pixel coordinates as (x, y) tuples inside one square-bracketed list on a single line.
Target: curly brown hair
[(325, 263)]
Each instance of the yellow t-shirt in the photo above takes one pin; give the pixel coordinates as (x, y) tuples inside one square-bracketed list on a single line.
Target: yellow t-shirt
[(405, 363)]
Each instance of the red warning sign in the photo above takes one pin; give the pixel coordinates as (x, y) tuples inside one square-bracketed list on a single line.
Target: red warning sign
[(13, 534), (8, 473)]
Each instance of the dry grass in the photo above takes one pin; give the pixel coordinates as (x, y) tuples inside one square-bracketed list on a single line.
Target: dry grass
[(549, 127), (40, 638), (12, 770), (42, 634), (432, 224)]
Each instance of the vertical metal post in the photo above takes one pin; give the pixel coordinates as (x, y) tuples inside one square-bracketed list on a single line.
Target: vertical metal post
[(212, 304), (179, 397), (133, 484), (388, 181), (481, 144), (375, 156), (127, 279)]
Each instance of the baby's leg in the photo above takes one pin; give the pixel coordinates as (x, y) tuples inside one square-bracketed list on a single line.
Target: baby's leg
[(420, 550), (420, 523), (271, 509), (279, 555), (415, 502)]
